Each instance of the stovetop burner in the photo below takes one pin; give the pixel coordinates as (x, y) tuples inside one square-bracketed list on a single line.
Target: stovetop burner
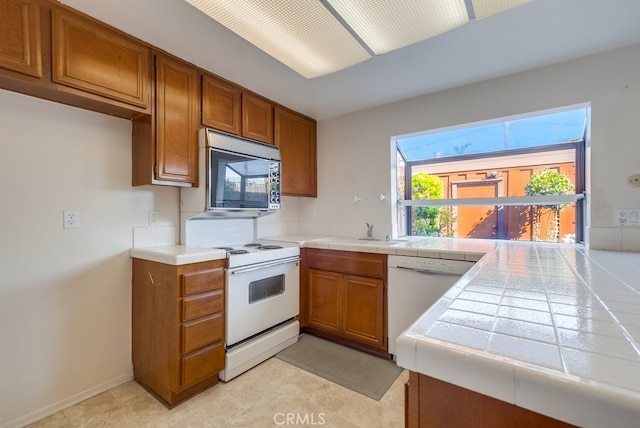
[(253, 244), (269, 247), (232, 251), (224, 248)]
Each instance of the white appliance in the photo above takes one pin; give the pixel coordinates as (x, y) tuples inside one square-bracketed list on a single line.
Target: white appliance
[(414, 285), (262, 290), (239, 178)]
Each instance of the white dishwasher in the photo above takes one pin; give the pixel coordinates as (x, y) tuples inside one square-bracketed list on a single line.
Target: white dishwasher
[(414, 284)]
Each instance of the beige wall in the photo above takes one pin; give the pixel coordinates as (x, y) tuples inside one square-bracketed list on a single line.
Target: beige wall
[(65, 294), (354, 150)]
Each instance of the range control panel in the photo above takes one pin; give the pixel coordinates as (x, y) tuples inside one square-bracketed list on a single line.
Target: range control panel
[(453, 267)]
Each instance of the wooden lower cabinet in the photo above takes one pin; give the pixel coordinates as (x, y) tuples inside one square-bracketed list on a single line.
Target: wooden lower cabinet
[(177, 327), (431, 402), (344, 298)]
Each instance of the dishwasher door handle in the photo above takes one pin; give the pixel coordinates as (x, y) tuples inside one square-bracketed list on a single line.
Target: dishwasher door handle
[(426, 271)]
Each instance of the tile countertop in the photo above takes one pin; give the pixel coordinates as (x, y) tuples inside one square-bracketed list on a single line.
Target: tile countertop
[(177, 254), (549, 327)]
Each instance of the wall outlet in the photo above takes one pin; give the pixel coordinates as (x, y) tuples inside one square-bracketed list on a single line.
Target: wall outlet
[(71, 219), (153, 217), (628, 216)]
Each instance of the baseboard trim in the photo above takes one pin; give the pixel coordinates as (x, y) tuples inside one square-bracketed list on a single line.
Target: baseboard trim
[(67, 402)]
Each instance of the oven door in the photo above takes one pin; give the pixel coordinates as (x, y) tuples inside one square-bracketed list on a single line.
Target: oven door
[(261, 296)]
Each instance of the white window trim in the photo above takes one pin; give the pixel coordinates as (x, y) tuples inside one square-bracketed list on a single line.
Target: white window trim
[(500, 201)]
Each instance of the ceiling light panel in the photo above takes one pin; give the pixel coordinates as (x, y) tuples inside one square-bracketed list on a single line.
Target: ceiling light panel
[(303, 35), (484, 8), (388, 25)]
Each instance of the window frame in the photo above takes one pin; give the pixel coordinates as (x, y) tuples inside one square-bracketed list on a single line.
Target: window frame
[(579, 197)]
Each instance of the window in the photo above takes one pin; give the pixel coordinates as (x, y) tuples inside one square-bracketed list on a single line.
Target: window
[(517, 178)]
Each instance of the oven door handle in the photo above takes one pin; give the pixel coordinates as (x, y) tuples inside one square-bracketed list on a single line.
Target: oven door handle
[(264, 265)]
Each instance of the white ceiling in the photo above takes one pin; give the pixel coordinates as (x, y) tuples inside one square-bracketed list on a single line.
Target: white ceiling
[(536, 34)]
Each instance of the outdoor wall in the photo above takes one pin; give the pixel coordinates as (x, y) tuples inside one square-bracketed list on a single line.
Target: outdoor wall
[(354, 151), (502, 176)]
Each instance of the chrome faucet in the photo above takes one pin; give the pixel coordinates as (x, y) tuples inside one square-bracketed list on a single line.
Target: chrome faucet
[(369, 231)]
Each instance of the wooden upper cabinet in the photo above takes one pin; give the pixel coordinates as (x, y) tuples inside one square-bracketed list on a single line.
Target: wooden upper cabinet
[(257, 118), (295, 135), (221, 105), (20, 41), (177, 121), (228, 108), (89, 56)]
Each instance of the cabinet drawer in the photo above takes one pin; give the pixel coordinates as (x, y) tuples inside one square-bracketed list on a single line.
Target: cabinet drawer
[(202, 364), (202, 332), (201, 305), (362, 264), (202, 281)]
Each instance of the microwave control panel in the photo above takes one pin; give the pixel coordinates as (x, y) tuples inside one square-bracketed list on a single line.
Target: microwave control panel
[(274, 185)]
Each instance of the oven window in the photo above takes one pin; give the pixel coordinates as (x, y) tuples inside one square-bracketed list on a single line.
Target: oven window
[(265, 288)]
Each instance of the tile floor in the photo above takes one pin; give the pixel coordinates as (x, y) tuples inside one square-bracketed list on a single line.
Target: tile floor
[(273, 394)]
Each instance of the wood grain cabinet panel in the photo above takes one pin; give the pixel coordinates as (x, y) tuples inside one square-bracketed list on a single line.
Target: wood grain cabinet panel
[(20, 41), (198, 306), (221, 105), (295, 135), (229, 108), (176, 121), (431, 402), (177, 339), (90, 57), (257, 118), (201, 332), (165, 144), (325, 295), (200, 364), (202, 281), (343, 298), (363, 309)]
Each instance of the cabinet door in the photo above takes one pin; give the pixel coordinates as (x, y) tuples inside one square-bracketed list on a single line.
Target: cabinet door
[(325, 301), (363, 312), (176, 121), (221, 105), (296, 137), (92, 58), (257, 119), (20, 46)]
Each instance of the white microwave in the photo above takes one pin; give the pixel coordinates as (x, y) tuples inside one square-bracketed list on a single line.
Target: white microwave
[(242, 176)]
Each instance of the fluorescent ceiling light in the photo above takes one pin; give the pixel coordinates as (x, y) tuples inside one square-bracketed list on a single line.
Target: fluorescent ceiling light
[(303, 35), (485, 8), (389, 25), (318, 37)]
